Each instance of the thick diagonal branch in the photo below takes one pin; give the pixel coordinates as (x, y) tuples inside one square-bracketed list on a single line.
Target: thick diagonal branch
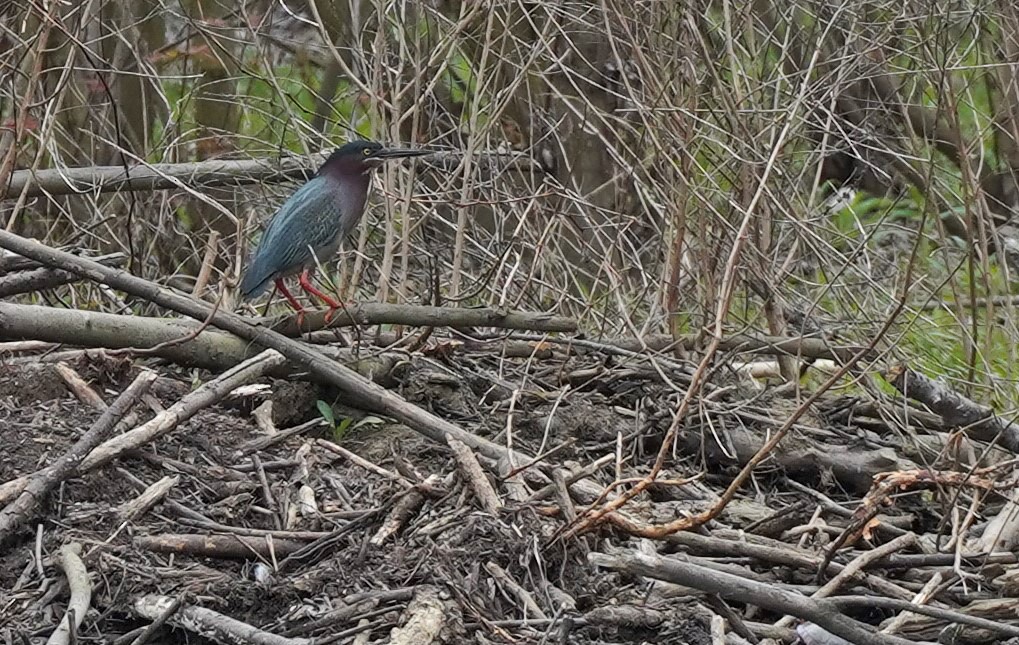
[(365, 393)]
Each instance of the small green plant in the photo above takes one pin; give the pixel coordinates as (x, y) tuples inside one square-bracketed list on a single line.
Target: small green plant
[(339, 429), (342, 426)]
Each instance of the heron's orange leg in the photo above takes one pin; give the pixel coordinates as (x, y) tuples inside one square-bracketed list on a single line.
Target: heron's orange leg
[(291, 300), (311, 289)]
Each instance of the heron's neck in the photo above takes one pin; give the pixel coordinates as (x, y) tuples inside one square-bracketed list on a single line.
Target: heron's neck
[(353, 188)]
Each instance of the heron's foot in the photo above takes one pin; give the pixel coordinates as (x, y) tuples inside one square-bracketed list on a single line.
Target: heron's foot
[(312, 290)]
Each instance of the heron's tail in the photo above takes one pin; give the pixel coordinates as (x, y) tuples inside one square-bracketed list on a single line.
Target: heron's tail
[(255, 279)]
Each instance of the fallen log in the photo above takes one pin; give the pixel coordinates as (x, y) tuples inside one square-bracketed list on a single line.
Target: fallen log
[(208, 174), (821, 612), (377, 313), (36, 279), (186, 342), (230, 547), (805, 458), (956, 410), (363, 392), (208, 623), (182, 341)]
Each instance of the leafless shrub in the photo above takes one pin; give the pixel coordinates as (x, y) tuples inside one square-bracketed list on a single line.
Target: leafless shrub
[(689, 147)]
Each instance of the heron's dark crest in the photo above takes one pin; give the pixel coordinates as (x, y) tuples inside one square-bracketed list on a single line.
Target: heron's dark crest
[(354, 158), (358, 157)]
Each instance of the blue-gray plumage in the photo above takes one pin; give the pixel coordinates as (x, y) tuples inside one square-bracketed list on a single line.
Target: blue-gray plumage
[(313, 222)]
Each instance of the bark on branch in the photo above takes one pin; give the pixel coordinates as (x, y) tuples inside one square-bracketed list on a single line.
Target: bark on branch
[(207, 174), (177, 340), (210, 624), (81, 594), (219, 546), (821, 612), (40, 278), (955, 410), (370, 313)]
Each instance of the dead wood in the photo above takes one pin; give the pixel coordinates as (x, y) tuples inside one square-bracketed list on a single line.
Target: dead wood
[(36, 279), (1002, 532), (364, 463), (795, 346), (81, 595), (261, 443), (777, 553), (642, 617), (801, 456), (166, 421), (423, 621), (347, 612), (353, 606), (376, 313), (231, 547), (216, 527), (143, 634), (209, 624), (81, 389), (717, 630), (209, 174), (173, 339), (923, 597), (403, 510), (956, 410), (626, 616), (365, 393), (471, 469), (24, 346), (916, 560), (742, 590), (993, 608), (500, 575), (890, 483), (263, 417), (856, 566), (36, 487), (151, 496)]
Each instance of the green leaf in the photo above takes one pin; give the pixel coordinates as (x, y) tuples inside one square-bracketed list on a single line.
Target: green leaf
[(369, 420), (326, 411), (341, 429)]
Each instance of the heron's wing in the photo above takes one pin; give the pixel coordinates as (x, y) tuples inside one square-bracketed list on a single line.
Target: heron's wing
[(307, 220), (300, 206)]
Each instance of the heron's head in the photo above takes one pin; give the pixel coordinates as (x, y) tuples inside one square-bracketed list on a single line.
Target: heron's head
[(358, 157)]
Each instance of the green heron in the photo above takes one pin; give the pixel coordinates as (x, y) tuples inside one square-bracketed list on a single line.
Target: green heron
[(313, 222)]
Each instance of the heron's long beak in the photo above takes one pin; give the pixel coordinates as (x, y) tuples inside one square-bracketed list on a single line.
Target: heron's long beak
[(399, 153)]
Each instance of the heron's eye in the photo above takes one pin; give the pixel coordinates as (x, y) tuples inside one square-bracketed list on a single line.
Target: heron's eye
[(367, 151)]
